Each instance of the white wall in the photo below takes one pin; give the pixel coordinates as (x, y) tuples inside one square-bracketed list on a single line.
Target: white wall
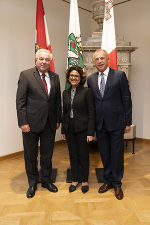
[(17, 36), (132, 21)]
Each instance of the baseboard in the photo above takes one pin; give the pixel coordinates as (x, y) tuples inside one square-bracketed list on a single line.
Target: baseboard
[(59, 142), (16, 154), (12, 155), (143, 140)]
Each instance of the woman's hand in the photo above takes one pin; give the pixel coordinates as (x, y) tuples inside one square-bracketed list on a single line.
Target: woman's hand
[(57, 125), (89, 139)]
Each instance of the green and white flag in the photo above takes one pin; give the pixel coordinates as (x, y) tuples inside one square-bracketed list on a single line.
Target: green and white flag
[(74, 38)]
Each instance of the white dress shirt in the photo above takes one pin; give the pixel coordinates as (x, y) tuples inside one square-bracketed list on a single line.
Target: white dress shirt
[(105, 76)]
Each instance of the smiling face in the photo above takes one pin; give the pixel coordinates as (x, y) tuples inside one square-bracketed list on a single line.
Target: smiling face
[(43, 60), (100, 59), (74, 78)]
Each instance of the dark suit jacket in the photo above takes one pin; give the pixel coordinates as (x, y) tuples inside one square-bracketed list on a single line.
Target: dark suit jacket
[(115, 108), (83, 110), (34, 107)]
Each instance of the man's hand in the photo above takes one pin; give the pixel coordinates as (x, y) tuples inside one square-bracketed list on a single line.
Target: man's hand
[(127, 129), (25, 128), (63, 137), (89, 139), (58, 125)]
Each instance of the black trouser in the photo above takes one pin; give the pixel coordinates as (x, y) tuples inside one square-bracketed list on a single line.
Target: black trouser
[(110, 145), (30, 142), (78, 152)]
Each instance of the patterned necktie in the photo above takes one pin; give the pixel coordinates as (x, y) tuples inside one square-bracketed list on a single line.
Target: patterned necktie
[(45, 84), (102, 85)]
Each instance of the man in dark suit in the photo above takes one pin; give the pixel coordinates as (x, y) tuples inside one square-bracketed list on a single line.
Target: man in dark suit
[(113, 117), (38, 105)]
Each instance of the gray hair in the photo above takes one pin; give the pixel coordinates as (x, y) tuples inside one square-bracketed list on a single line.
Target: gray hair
[(41, 50), (100, 50)]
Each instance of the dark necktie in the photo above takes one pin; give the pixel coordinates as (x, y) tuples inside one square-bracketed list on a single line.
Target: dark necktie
[(44, 83), (102, 85)]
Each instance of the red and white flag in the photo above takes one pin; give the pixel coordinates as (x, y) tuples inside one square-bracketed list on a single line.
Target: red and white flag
[(108, 36), (42, 36)]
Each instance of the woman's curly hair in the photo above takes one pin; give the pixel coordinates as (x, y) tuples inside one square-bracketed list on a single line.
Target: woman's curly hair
[(79, 70)]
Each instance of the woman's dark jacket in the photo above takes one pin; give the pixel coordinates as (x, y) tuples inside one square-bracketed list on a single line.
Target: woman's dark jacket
[(83, 111)]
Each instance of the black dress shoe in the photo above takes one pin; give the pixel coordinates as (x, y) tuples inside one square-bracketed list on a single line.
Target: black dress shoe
[(72, 188), (50, 186), (85, 188), (31, 191)]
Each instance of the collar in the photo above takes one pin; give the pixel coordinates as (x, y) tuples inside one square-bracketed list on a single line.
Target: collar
[(46, 74), (106, 72), (73, 90), (80, 86)]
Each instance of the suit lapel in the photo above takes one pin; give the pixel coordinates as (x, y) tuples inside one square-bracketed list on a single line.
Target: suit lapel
[(79, 87), (38, 79), (51, 76), (69, 97), (95, 81), (109, 81)]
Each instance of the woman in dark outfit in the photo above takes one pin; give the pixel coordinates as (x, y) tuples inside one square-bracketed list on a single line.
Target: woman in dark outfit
[(78, 125)]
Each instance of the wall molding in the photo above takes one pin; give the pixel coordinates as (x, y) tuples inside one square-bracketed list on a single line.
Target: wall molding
[(17, 154), (12, 155), (143, 140)]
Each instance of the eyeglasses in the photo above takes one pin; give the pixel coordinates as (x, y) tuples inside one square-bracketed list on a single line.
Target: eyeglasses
[(74, 76)]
